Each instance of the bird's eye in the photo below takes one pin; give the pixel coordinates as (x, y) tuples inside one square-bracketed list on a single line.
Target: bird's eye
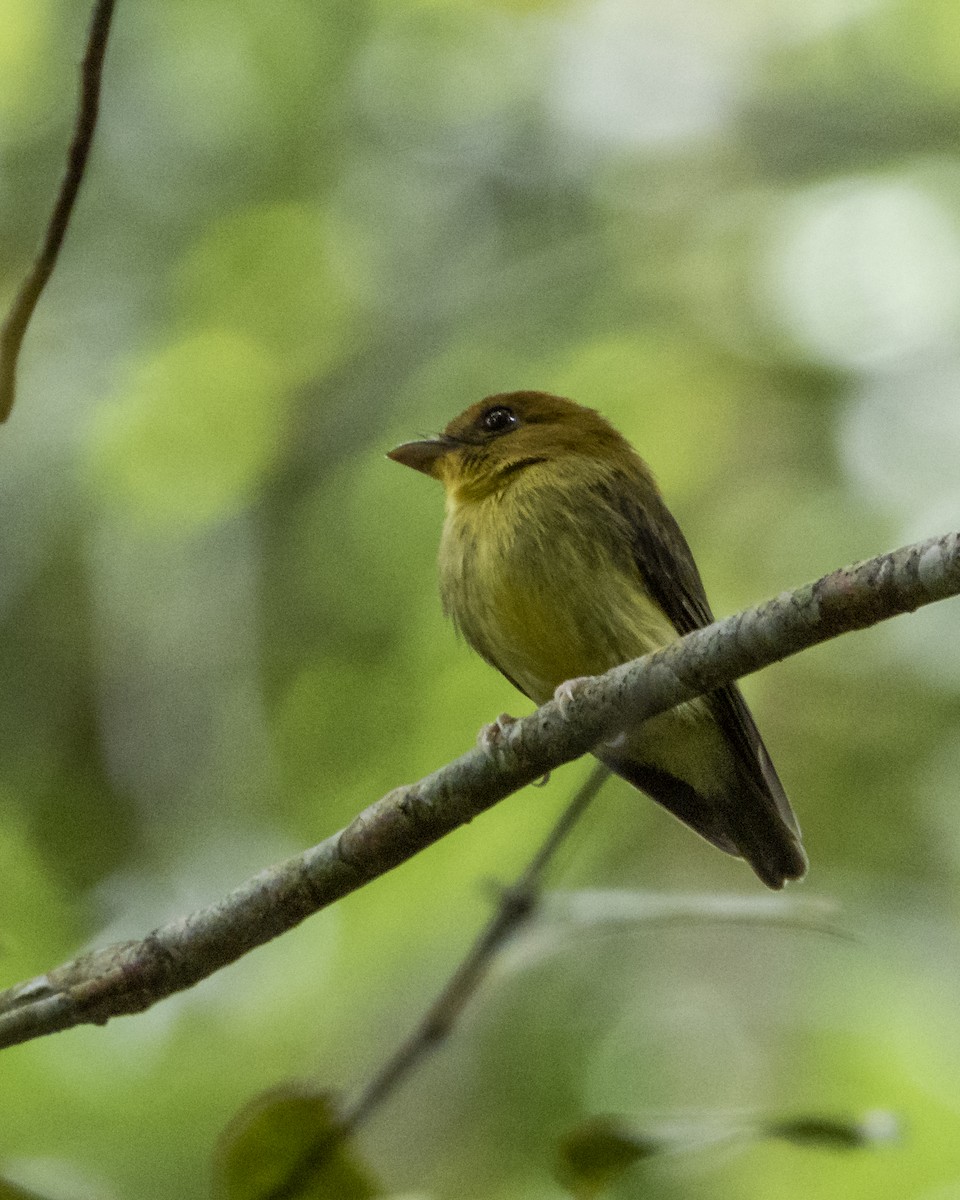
[(496, 420)]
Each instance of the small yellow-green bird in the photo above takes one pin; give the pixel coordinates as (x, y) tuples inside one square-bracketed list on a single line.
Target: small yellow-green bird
[(560, 559)]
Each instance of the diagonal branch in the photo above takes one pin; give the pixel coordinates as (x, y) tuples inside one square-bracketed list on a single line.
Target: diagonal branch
[(131, 976), (18, 318)]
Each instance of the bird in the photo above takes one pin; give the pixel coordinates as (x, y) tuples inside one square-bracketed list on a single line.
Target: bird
[(560, 559)]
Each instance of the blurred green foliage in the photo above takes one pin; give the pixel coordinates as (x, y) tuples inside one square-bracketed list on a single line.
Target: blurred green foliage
[(308, 232)]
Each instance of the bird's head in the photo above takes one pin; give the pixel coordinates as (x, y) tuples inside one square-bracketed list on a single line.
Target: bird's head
[(501, 436)]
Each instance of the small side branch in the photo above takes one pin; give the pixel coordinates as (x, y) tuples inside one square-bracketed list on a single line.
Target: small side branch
[(131, 976), (15, 326), (517, 904)]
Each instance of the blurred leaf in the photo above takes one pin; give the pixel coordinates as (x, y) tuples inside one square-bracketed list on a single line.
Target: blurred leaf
[(596, 1154), (265, 1152), (835, 1133)]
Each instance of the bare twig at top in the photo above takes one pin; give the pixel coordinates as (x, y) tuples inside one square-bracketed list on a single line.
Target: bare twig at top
[(18, 318)]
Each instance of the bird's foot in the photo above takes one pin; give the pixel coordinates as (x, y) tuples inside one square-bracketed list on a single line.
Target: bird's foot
[(567, 691), (542, 781), (490, 737)]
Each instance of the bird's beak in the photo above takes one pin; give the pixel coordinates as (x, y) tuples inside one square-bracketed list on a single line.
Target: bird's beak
[(422, 456)]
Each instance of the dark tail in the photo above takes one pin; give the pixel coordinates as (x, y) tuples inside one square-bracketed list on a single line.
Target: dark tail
[(754, 823)]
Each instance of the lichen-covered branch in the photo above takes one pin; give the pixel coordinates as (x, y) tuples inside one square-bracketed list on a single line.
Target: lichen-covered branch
[(131, 976), (18, 318)]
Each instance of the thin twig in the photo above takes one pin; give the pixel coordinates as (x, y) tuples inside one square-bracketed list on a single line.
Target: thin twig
[(517, 904), (15, 325), (132, 976)]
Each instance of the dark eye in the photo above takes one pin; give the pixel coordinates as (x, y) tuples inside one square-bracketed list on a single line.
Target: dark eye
[(496, 420)]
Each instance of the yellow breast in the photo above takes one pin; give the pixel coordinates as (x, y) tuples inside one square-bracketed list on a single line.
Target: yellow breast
[(542, 586)]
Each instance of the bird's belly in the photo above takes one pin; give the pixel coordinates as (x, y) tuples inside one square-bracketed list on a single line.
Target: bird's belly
[(542, 619), (544, 615), (542, 642)]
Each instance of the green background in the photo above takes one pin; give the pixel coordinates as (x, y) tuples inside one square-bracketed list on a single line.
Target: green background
[(309, 231)]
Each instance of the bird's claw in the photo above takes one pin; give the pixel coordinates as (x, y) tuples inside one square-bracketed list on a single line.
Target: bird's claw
[(490, 737), (566, 693)]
